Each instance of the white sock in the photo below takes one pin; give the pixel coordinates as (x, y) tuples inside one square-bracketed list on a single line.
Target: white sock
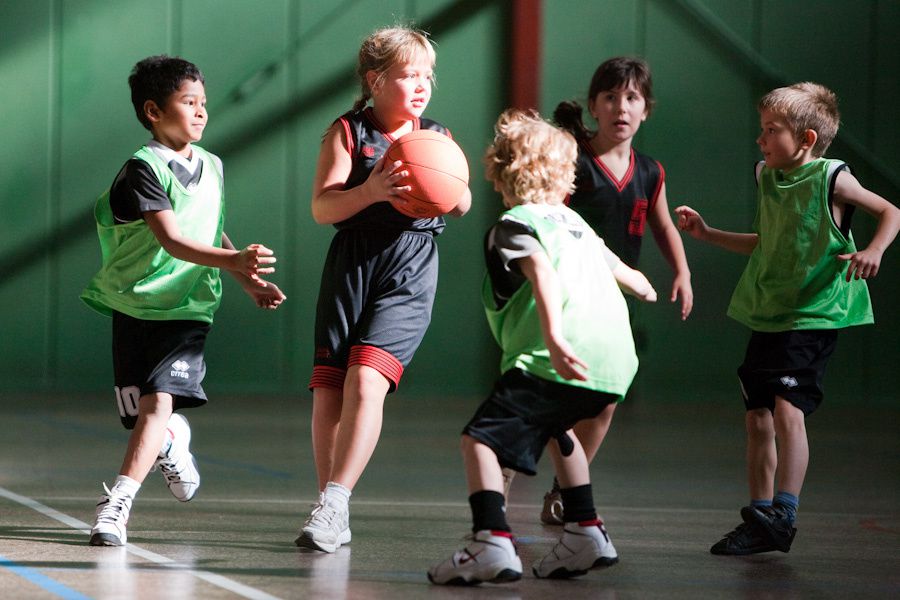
[(127, 485), (336, 493)]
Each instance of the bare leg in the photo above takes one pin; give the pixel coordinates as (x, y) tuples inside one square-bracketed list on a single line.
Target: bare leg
[(793, 446), (360, 425), (761, 453), (592, 432), (148, 435), (572, 470), (326, 417), (483, 471)]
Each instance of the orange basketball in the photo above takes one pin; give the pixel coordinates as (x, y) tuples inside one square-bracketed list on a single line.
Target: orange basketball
[(438, 172)]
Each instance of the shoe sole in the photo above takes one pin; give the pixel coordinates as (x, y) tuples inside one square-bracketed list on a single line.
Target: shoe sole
[(105, 539), (504, 576), (563, 573), (306, 541), (749, 515)]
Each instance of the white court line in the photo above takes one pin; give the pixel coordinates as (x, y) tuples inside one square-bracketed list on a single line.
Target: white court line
[(217, 580)]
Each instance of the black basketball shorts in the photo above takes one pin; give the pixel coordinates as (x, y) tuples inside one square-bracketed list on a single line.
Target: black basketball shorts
[(157, 356), (525, 412), (789, 364), (374, 303)]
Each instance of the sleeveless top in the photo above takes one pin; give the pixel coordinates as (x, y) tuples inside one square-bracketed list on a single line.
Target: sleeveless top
[(368, 141), (793, 279), (138, 277), (616, 209), (594, 315)]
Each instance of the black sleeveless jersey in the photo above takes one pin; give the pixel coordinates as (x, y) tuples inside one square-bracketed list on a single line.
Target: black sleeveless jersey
[(368, 141), (616, 210)]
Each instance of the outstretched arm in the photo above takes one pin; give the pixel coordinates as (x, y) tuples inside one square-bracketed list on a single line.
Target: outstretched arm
[(669, 243), (265, 294), (331, 203), (690, 220), (865, 263), (548, 297), (248, 261)]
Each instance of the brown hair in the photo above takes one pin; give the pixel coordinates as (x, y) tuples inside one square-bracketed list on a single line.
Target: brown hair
[(611, 75), (805, 106)]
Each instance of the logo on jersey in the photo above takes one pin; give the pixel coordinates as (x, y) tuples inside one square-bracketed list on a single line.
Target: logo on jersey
[(789, 382), (368, 151), (638, 217), (180, 369)]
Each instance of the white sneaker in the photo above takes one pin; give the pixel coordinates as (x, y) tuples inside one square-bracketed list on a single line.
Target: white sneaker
[(112, 517), (581, 547), (327, 528), (178, 465), (488, 558)]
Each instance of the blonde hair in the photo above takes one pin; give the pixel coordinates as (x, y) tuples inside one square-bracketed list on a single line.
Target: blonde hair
[(530, 160), (805, 106), (385, 48)]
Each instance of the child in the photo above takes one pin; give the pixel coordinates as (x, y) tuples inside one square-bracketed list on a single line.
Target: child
[(549, 277), (160, 228), (617, 191), (794, 297), (380, 274)]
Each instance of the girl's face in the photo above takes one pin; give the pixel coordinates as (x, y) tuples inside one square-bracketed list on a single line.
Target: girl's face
[(405, 90), (619, 112)]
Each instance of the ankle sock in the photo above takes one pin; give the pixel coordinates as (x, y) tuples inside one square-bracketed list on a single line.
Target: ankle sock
[(127, 485), (760, 503), (336, 493), (788, 503)]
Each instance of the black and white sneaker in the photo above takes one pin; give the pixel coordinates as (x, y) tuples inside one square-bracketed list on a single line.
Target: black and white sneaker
[(112, 517), (774, 523)]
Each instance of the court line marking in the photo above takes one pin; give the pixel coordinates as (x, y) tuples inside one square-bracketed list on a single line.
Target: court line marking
[(42, 581), (230, 585)]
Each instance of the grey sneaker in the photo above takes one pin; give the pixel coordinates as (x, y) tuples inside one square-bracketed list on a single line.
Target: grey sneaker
[(581, 548), (178, 465), (112, 517), (488, 558), (327, 528)]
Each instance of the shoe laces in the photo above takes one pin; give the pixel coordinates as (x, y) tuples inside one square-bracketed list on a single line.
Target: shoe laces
[(324, 516), (170, 469), (115, 508)]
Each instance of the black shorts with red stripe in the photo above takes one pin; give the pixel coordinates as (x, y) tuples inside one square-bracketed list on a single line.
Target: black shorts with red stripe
[(374, 303)]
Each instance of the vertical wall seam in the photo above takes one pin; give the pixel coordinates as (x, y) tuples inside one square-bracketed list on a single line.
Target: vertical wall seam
[(289, 379), (54, 200)]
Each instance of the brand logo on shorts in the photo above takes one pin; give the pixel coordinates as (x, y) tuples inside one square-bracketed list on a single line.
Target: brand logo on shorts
[(789, 382), (368, 151), (180, 369)]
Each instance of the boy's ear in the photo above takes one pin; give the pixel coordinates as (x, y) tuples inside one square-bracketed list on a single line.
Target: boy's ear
[(151, 110), (808, 138)]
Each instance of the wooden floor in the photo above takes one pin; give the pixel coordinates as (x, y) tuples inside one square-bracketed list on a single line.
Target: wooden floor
[(668, 482)]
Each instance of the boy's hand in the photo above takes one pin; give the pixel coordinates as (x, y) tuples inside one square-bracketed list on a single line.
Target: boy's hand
[(681, 288), (690, 220), (647, 295), (564, 360), (268, 297), (250, 261), (863, 264)]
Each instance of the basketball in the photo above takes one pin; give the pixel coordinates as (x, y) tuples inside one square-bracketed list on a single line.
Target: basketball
[(438, 173)]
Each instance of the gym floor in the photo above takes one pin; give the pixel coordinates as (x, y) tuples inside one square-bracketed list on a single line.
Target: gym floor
[(668, 481)]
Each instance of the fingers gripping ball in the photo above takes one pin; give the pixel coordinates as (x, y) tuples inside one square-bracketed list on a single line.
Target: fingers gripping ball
[(438, 173)]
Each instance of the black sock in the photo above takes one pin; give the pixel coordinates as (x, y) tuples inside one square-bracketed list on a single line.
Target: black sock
[(578, 504), (488, 511)]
